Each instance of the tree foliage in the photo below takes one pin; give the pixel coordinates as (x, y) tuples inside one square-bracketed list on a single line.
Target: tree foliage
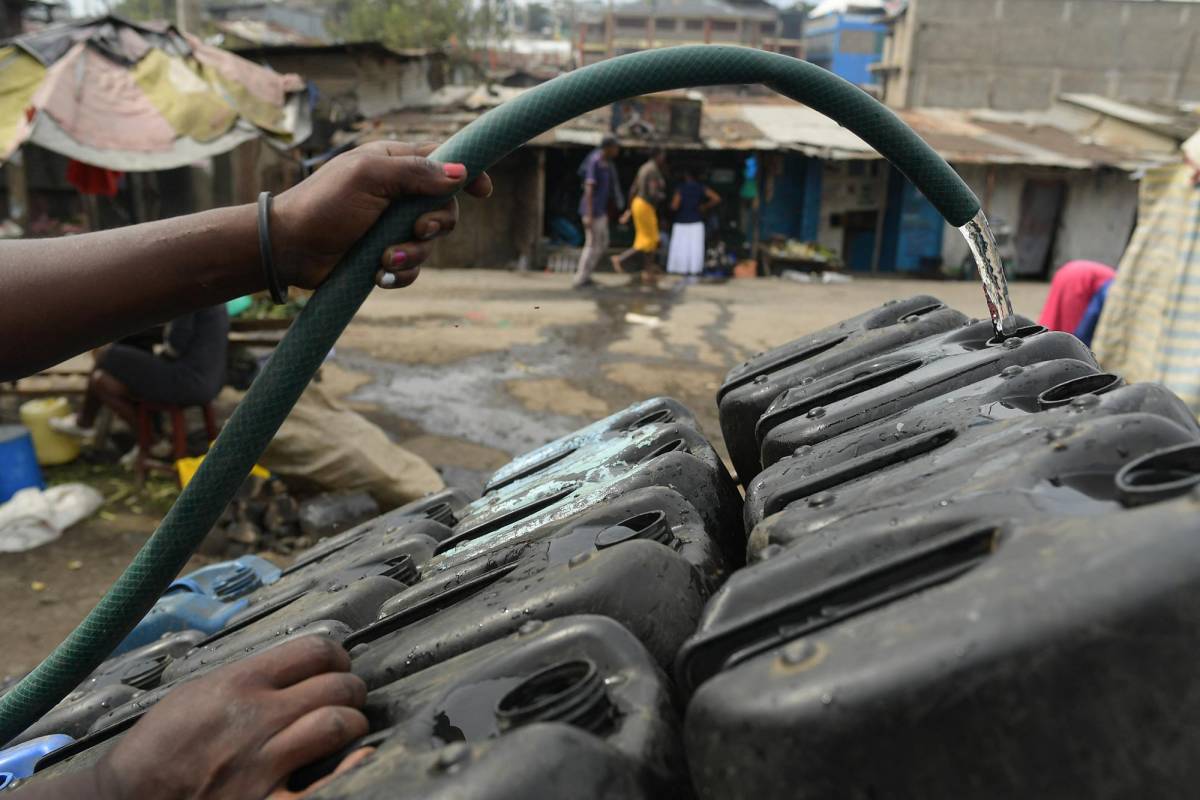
[(538, 18), (401, 23)]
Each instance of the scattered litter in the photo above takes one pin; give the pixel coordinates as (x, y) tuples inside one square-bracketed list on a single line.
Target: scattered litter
[(34, 517), (38, 586), (642, 319), (74, 564), (813, 277)]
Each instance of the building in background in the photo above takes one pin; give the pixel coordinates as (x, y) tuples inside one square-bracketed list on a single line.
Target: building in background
[(1019, 55), (355, 81), (294, 20), (846, 38), (630, 27)]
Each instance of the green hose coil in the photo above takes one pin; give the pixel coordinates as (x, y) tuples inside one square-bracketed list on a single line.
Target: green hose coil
[(318, 327)]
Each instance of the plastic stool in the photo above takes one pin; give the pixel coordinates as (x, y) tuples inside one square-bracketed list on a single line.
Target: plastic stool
[(145, 434)]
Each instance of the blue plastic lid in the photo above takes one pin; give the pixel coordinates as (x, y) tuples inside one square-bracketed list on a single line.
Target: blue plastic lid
[(21, 760)]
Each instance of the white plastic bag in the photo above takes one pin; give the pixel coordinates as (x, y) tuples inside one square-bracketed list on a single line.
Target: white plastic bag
[(33, 517)]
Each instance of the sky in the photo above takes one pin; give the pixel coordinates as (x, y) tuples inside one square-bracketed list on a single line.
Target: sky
[(82, 7)]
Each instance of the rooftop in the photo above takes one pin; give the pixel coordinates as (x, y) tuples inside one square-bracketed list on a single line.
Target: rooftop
[(693, 8), (1174, 121), (378, 49), (768, 123)]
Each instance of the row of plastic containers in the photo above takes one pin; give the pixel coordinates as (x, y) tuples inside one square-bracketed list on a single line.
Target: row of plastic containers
[(963, 567)]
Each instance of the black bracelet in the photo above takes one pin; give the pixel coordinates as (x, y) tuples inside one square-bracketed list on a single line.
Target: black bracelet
[(278, 293)]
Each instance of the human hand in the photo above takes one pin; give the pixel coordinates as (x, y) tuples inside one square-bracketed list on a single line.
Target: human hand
[(241, 730), (315, 222), (348, 763), (628, 215)]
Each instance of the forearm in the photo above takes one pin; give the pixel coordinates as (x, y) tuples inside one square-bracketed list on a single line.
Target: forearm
[(587, 201), (63, 296)]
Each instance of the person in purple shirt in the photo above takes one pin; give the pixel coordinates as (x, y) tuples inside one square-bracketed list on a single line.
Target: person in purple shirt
[(597, 173)]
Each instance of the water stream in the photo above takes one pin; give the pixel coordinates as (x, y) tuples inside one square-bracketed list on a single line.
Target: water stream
[(991, 274)]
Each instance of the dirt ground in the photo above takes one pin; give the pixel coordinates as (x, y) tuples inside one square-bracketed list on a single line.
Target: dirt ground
[(470, 367)]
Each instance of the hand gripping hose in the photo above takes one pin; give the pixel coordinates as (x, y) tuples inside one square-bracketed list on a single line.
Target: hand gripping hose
[(315, 330)]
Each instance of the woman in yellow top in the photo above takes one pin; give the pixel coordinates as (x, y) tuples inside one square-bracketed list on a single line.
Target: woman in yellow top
[(647, 192)]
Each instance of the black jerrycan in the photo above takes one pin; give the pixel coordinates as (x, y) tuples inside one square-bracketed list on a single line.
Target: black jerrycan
[(750, 388), (572, 708)]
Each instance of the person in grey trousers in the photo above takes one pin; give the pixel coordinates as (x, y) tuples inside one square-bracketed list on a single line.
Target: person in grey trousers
[(599, 181)]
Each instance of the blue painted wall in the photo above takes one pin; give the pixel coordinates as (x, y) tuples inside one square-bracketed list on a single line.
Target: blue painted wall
[(825, 47), (794, 207), (912, 229)]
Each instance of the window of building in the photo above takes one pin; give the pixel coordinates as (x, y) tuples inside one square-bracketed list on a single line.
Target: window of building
[(631, 23), (693, 24), (861, 42), (767, 28), (724, 26), (665, 24), (819, 46)]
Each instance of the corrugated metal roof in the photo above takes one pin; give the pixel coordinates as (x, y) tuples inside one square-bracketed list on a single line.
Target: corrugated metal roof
[(980, 138), (1175, 122), (755, 123), (801, 128)]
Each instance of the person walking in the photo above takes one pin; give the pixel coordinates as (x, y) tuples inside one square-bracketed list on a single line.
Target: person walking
[(692, 200), (599, 184), (647, 193)]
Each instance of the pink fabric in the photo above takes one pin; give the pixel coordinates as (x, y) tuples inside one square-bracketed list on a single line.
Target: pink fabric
[(1070, 292), (97, 102), (265, 84)]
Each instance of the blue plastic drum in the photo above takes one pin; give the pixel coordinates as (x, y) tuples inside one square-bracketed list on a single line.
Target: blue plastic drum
[(18, 462)]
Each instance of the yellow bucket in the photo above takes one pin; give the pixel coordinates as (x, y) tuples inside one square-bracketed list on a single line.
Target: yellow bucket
[(51, 446)]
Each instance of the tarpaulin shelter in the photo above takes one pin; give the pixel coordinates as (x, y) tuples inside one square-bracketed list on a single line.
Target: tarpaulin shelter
[(1150, 327), (140, 97)]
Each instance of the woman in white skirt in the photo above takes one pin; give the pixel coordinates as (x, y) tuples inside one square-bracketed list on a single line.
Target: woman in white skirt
[(691, 202)]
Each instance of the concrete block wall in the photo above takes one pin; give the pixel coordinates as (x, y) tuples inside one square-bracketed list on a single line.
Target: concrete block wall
[(1097, 216), (1019, 54)]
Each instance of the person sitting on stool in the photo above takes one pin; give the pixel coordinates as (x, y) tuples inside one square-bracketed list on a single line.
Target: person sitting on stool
[(187, 370)]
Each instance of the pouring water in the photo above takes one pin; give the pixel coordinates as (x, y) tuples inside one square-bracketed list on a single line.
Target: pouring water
[(991, 273)]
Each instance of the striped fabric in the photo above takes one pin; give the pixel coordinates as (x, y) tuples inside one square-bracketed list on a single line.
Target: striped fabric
[(1150, 328)]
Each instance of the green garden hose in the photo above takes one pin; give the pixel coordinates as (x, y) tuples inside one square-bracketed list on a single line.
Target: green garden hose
[(318, 327)]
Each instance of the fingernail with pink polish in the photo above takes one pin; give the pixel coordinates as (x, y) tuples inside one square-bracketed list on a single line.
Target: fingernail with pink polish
[(399, 258), (455, 172)]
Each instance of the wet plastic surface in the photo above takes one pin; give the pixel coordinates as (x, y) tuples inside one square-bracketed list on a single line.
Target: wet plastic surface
[(581, 676), (972, 574), (531, 465), (203, 600), (927, 370), (114, 683), (644, 585), (750, 389), (1049, 657), (670, 455), (1065, 457)]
